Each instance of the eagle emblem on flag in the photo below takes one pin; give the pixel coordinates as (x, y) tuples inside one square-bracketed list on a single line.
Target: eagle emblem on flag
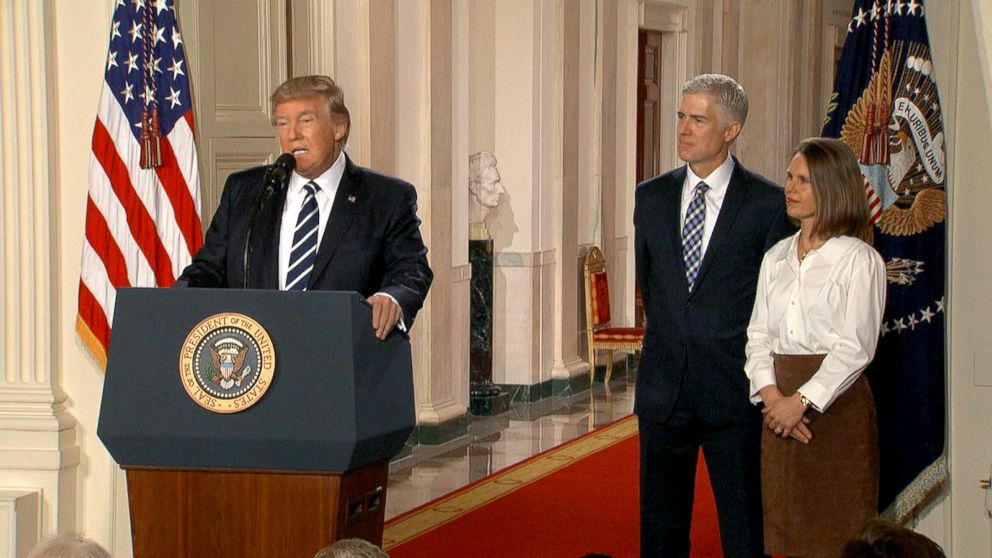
[(901, 142)]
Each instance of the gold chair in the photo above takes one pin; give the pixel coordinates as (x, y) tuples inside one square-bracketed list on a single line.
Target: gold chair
[(599, 335)]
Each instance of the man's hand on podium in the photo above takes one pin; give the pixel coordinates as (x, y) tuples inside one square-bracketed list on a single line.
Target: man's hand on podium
[(385, 314)]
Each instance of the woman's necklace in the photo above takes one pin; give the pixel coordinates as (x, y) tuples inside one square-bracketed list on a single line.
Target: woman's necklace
[(803, 252)]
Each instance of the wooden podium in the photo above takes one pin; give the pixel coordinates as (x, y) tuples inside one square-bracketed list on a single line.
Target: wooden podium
[(297, 460)]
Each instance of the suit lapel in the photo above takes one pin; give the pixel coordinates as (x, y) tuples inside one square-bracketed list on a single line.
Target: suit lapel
[(736, 192), (673, 219), (265, 244), (343, 211)]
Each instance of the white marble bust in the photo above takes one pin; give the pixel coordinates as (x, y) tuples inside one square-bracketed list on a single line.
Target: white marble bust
[(485, 187)]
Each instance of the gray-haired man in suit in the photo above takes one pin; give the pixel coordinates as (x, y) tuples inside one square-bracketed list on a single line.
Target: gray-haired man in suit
[(700, 233)]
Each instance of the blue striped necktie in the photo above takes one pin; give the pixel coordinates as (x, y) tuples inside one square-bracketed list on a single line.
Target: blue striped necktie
[(692, 234), (303, 254)]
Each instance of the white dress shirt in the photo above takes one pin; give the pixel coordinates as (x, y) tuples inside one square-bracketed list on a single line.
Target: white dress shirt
[(830, 304), (718, 181), (295, 195)]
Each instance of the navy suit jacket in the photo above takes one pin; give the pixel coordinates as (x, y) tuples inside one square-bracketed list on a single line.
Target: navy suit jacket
[(694, 343), (371, 243)]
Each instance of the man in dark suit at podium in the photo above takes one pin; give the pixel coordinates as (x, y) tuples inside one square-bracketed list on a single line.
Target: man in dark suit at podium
[(700, 233), (331, 225)]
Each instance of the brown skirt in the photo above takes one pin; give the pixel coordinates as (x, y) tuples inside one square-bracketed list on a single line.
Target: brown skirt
[(817, 496)]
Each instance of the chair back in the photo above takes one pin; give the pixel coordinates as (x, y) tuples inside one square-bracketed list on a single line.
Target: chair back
[(597, 289)]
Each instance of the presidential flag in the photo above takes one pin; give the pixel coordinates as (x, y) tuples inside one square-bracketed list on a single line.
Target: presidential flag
[(142, 212), (886, 108)]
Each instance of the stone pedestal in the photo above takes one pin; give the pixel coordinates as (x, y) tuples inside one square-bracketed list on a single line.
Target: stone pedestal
[(485, 397)]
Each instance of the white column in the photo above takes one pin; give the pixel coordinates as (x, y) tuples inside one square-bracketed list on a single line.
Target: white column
[(765, 67), (312, 40), (511, 226), (461, 271), (20, 521), (430, 112), (551, 285), (350, 63), (983, 29), (37, 437), (626, 146), (566, 89), (527, 102)]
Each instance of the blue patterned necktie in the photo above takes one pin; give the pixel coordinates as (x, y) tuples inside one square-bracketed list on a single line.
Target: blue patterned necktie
[(692, 234), (304, 251)]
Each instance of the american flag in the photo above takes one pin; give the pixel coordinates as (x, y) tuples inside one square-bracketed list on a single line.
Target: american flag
[(142, 213)]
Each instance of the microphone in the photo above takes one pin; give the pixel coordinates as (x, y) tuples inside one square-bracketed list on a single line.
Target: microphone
[(274, 180), (278, 172)]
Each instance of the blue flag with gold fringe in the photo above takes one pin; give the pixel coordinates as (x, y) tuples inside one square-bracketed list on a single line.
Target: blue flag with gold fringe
[(886, 108)]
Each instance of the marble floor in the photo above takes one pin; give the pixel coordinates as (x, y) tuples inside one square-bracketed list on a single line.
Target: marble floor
[(494, 443)]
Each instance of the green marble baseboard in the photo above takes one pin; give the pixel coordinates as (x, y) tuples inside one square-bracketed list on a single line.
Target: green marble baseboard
[(436, 434), (489, 405)]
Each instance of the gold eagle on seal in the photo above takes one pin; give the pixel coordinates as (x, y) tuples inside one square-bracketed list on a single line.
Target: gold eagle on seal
[(228, 358)]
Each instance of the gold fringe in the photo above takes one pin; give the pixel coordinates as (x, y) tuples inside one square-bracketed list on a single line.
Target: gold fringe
[(931, 478), (91, 342)]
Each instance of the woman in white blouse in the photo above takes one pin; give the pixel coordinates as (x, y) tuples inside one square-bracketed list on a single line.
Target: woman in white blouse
[(813, 331)]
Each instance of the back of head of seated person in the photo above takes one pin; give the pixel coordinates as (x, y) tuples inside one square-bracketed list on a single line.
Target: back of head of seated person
[(884, 539), (351, 548), (68, 545)]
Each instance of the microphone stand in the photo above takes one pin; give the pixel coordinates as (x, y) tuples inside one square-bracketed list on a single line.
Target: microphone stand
[(260, 201)]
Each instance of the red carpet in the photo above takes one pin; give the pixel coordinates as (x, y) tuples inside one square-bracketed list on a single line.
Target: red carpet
[(577, 498)]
